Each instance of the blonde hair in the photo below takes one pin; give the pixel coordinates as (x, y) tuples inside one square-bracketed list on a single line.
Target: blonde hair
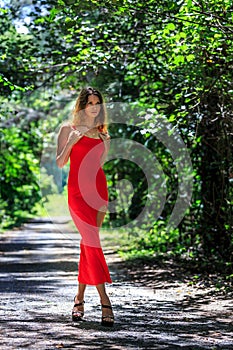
[(78, 115)]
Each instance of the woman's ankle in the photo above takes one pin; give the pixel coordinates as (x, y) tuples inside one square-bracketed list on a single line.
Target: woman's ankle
[(105, 301), (79, 298)]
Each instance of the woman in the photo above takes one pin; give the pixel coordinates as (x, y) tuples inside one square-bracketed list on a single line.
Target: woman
[(86, 142)]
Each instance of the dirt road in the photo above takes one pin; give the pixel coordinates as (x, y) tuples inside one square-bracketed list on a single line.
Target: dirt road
[(38, 283)]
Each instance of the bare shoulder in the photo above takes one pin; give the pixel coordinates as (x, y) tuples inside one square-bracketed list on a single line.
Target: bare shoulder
[(65, 128)]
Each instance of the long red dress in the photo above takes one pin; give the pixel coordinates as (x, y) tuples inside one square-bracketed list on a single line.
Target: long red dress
[(87, 193)]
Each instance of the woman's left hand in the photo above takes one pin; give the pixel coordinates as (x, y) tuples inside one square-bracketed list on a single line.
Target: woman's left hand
[(104, 136)]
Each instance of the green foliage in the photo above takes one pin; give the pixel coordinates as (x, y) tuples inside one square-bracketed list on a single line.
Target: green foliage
[(158, 241), (19, 161), (27, 158)]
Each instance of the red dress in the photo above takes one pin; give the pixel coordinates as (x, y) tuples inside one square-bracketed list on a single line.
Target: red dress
[(87, 193)]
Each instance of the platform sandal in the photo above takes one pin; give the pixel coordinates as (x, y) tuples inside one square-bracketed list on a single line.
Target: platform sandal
[(77, 315), (104, 322)]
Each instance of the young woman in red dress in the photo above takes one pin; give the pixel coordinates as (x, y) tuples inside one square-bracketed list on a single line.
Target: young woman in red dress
[(85, 141)]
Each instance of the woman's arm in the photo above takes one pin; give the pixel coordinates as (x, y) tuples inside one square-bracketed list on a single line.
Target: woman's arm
[(105, 137), (66, 139)]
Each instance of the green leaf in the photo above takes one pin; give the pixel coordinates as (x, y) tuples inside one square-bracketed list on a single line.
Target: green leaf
[(179, 59), (170, 26), (190, 57)]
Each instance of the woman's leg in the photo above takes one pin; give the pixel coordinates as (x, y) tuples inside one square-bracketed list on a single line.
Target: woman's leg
[(104, 300), (100, 216), (79, 299), (80, 294)]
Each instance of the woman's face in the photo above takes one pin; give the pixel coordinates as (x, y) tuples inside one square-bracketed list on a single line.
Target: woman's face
[(92, 108)]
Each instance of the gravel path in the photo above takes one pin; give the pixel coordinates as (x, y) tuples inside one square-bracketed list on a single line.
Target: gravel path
[(38, 283)]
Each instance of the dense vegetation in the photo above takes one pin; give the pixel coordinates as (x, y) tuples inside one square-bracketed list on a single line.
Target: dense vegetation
[(173, 59)]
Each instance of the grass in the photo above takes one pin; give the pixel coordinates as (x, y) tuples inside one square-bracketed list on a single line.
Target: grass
[(53, 205)]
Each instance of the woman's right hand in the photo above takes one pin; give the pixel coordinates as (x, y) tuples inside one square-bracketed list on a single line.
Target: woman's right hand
[(67, 137), (74, 137)]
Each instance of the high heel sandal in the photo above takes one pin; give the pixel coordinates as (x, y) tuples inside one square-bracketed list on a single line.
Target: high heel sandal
[(104, 322), (77, 315)]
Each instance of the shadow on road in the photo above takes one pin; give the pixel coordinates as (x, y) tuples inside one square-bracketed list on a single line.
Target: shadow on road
[(38, 283)]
